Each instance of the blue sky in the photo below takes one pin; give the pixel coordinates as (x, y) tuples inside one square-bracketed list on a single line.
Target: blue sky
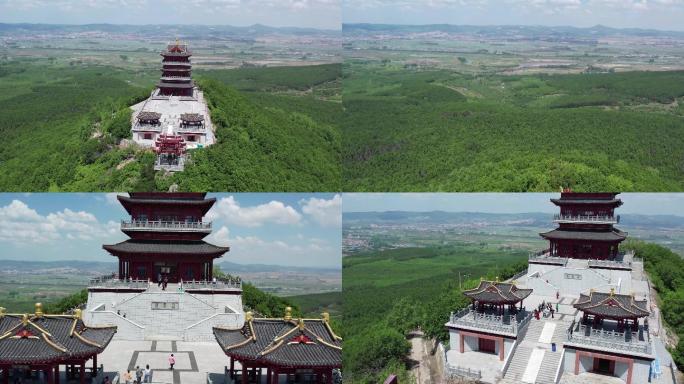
[(283, 229), (655, 14), (322, 14), (634, 203)]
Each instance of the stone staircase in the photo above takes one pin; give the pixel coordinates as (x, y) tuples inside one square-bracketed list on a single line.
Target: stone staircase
[(530, 342)]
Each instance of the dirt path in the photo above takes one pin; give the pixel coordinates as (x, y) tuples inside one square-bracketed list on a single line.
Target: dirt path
[(426, 368)]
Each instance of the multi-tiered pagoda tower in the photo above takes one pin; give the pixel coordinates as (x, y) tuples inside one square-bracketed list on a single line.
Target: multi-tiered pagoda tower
[(176, 77), (166, 233), (585, 226)]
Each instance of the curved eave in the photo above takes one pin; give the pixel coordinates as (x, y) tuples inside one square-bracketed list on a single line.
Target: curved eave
[(128, 202)]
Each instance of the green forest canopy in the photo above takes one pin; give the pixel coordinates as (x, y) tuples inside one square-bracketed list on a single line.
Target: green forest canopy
[(436, 130)]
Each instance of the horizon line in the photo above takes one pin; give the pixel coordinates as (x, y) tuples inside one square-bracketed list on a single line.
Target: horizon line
[(173, 25), (514, 25)]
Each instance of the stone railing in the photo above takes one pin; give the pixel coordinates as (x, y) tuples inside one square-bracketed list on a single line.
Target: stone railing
[(609, 264), (113, 282), (509, 324), (610, 339), (453, 371), (147, 127), (191, 128), (166, 225), (547, 258), (218, 285), (596, 219)]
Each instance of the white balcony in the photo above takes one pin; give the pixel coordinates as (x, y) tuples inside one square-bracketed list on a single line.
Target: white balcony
[(490, 321), (608, 338), (163, 226), (586, 219)]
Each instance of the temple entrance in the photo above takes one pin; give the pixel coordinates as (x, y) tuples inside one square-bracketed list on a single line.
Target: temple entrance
[(166, 269), (486, 345), (604, 366)]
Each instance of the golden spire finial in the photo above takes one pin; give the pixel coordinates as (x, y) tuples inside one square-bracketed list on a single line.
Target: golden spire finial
[(300, 324), (326, 317), (39, 310), (288, 313), (481, 278), (591, 291), (2, 312), (248, 316), (612, 291), (78, 314), (497, 279), (24, 319)]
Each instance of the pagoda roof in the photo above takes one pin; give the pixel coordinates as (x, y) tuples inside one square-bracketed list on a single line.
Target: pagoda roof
[(147, 115), (612, 305), (589, 198), (169, 63), (303, 343), (166, 84), (183, 247), (566, 234), (192, 117), (166, 199), (497, 292), (40, 339)]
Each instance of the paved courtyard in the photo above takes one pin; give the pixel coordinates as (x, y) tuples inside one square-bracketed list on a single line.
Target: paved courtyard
[(193, 360)]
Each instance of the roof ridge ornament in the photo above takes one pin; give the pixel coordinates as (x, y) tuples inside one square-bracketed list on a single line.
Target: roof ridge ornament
[(39, 310), (288, 314)]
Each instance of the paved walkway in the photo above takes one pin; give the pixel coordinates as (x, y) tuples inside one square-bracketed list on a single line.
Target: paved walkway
[(193, 360)]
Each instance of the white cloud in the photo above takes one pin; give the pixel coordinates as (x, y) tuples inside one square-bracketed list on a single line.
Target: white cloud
[(324, 212), (21, 224), (229, 211)]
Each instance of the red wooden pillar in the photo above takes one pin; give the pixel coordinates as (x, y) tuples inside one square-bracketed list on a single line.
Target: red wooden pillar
[(460, 338), (244, 373), (577, 362), (95, 365), (82, 373), (629, 371), (5, 374), (50, 374), (501, 348), (330, 376), (275, 376), (232, 367), (57, 374), (268, 375)]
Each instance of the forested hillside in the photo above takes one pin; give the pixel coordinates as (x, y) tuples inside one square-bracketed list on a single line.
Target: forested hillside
[(437, 130), (64, 129), (390, 293)]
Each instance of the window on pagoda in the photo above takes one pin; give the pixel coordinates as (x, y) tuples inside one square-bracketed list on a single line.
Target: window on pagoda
[(142, 271), (191, 138), (148, 136)]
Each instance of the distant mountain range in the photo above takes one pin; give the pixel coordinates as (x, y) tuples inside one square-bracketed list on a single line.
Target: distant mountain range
[(536, 219), (503, 30), (206, 32)]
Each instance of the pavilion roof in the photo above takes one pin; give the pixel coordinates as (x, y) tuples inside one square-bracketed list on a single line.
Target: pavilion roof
[(191, 117), (39, 339), (302, 343), (147, 115), (497, 293), (613, 234), (195, 247), (612, 305)]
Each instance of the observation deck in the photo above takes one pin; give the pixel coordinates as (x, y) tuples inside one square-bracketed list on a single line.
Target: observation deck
[(166, 226)]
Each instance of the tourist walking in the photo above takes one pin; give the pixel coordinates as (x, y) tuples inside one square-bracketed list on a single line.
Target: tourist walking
[(159, 280), (148, 374), (128, 377), (172, 361), (138, 375)]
